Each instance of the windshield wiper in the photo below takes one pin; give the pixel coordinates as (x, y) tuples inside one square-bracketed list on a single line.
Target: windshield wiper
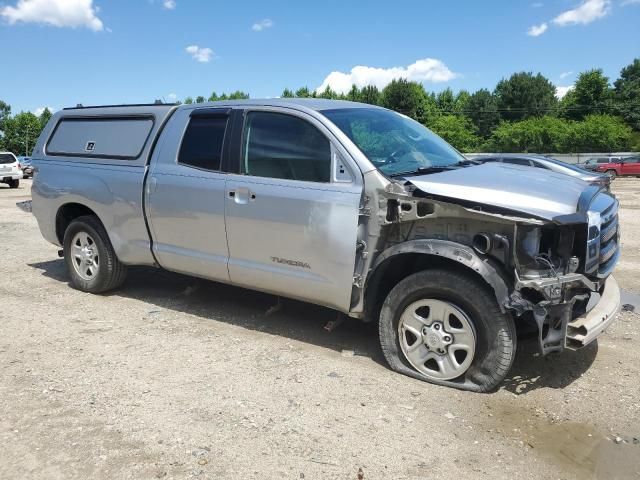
[(467, 162), (420, 170)]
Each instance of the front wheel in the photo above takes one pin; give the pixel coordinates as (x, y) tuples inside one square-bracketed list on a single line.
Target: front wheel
[(612, 174), (91, 261), (446, 328)]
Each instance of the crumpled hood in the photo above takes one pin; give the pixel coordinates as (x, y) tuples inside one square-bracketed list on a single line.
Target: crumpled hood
[(532, 191)]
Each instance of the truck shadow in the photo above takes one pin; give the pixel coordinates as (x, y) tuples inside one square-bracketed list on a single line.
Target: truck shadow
[(306, 322), (531, 371), (241, 307)]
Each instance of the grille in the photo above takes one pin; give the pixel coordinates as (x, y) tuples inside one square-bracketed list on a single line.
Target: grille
[(603, 248)]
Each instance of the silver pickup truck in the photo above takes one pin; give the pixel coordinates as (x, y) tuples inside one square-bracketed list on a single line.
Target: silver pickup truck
[(340, 204)]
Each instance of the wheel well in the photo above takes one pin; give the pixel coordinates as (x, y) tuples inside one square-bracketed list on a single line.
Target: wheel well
[(396, 268), (67, 214)]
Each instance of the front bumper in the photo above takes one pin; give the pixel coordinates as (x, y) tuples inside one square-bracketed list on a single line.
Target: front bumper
[(560, 323), (583, 330)]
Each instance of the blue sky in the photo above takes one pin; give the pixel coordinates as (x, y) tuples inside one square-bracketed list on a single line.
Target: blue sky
[(61, 52)]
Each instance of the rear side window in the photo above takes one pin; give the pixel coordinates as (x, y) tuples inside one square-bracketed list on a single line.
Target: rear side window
[(7, 158), (202, 143), (121, 138), (277, 145)]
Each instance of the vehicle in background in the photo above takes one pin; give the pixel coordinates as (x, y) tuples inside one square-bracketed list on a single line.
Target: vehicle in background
[(593, 163), (341, 204), (10, 172), (548, 163), (624, 167), (26, 167)]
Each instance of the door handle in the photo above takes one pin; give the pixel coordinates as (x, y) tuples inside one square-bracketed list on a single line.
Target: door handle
[(242, 195), (152, 185)]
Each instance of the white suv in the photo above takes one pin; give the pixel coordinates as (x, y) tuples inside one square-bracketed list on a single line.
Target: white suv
[(10, 172)]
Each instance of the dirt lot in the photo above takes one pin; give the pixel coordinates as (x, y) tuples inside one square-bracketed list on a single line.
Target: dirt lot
[(178, 378)]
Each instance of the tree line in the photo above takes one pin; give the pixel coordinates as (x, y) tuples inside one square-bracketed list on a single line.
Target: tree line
[(521, 114)]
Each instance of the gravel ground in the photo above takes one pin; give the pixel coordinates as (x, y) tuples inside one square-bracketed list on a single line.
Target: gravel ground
[(172, 377)]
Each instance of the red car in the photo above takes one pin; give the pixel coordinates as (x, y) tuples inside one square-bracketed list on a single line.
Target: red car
[(623, 167)]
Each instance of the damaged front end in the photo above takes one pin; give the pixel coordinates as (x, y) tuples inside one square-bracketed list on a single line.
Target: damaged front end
[(545, 269), (562, 266)]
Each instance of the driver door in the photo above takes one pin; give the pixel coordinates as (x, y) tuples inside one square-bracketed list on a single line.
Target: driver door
[(292, 212)]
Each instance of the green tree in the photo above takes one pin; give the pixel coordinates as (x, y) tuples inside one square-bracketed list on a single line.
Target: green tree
[(408, 98), (461, 102), (200, 99), (303, 92), (328, 93), (590, 95), (238, 95), (213, 97), (5, 113), (45, 116), (627, 94), (535, 135), (371, 95), (286, 93), (457, 130), (601, 133), (446, 101), (21, 133), (354, 94), (482, 110), (524, 95), (188, 101)]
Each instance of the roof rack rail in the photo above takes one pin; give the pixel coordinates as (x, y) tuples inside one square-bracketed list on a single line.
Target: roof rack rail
[(157, 103)]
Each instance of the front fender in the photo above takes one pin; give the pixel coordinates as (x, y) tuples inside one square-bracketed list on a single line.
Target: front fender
[(461, 254)]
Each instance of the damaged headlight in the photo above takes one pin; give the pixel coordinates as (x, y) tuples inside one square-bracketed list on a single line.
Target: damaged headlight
[(530, 241), (545, 250)]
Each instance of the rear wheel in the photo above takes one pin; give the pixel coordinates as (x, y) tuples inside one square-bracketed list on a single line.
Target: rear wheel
[(612, 174), (91, 261), (14, 183), (446, 328)]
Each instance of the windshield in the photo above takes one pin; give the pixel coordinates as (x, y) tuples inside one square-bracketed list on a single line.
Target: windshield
[(7, 158), (395, 144)]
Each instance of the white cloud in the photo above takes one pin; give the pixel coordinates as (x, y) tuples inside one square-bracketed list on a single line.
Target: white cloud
[(169, 4), (172, 97), (262, 25), (562, 91), (585, 13), (425, 70), (59, 13), (537, 30), (630, 2), (564, 75), (200, 54), (537, 4), (38, 111)]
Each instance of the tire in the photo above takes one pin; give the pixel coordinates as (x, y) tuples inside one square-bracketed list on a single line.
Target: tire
[(91, 261), (612, 174), (14, 183), (471, 302)]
